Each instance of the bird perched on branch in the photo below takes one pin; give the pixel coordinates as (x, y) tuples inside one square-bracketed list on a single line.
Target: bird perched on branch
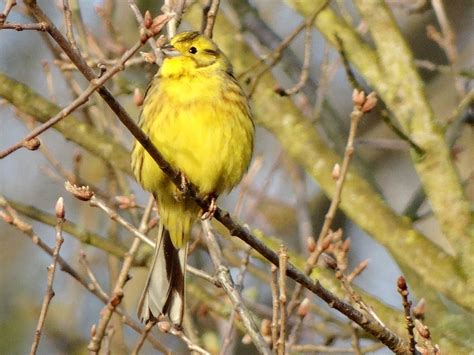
[(198, 117)]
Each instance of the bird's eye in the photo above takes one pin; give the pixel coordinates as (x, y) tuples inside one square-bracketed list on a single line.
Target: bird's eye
[(193, 50)]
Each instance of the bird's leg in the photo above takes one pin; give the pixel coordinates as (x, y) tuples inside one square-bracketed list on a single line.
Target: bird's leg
[(182, 191), (211, 209)]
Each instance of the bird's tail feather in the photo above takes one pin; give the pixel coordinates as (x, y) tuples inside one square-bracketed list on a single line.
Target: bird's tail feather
[(164, 290)]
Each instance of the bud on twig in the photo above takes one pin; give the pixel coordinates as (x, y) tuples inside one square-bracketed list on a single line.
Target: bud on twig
[(336, 171), (138, 97), (6, 217), (311, 244), (370, 102), (422, 329), (32, 144), (265, 327), (303, 308), (158, 23), (358, 97), (420, 309), (326, 243), (346, 245), (147, 19), (59, 209), (246, 339), (83, 193), (164, 326), (402, 284), (148, 57)]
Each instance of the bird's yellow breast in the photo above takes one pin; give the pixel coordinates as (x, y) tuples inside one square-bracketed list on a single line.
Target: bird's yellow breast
[(202, 126)]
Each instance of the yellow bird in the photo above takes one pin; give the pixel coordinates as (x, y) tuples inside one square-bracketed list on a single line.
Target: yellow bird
[(199, 118)]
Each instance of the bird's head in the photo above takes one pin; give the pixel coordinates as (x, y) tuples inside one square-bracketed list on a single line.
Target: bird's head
[(188, 52)]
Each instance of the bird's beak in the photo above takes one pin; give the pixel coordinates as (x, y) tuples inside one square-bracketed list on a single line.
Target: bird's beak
[(170, 51)]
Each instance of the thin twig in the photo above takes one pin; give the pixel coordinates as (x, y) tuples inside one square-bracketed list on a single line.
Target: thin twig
[(11, 216), (68, 22), (211, 17), (41, 26), (94, 283), (447, 41), (82, 99), (51, 272), (355, 297), (143, 337), (358, 112), (223, 275), (306, 63), (275, 307), (402, 289), (229, 333), (303, 310), (355, 340), (8, 7), (313, 349), (191, 346), (174, 9), (140, 236), (358, 270), (117, 294), (151, 41), (283, 257)]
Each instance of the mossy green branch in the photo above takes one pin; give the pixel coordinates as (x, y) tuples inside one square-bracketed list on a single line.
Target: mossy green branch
[(407, 98), (30, 102), (391, 72)]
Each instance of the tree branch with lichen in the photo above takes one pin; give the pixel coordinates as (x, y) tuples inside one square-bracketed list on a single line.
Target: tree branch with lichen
[(390, 70)]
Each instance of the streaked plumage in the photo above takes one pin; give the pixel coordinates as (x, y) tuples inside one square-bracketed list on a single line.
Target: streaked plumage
[(198, 117)]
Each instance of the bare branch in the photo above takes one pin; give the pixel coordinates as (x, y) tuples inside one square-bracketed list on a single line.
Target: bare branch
[(211, 17), (117, 295), (223, 275), (51, 272)]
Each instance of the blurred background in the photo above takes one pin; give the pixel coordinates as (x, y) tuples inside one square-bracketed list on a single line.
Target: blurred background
[(277, 198)]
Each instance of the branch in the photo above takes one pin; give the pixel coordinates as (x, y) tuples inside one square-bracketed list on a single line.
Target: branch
[(403, 291), (10, 216), (211, 17), (99, 144), (95, 84), (223, 275), (51, 272), (42, 27), (283, 256), (117, 294)]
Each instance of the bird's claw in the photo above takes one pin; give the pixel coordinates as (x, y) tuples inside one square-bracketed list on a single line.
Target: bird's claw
[(184, 186), (210, 210), (181, 191)]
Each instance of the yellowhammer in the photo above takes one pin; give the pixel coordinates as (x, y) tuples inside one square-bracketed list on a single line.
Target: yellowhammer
[(198, 117)]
